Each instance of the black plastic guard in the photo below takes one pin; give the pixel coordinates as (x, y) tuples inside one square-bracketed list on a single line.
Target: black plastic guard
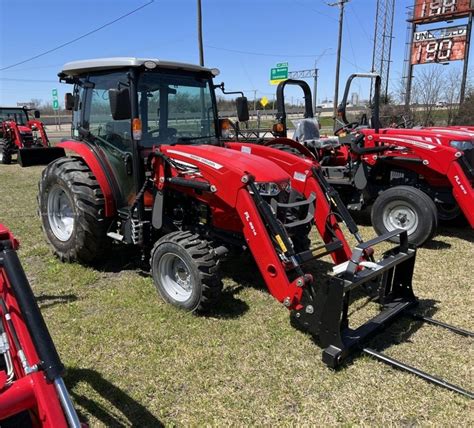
[(39, 155)]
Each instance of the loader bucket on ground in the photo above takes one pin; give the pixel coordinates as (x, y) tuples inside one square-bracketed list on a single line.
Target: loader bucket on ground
[(39, 155)]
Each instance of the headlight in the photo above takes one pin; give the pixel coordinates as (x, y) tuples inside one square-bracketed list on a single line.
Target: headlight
[(272, 189), (462, 145)]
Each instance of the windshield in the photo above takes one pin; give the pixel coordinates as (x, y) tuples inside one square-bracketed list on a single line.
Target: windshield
[(176, 108), (16, 114)]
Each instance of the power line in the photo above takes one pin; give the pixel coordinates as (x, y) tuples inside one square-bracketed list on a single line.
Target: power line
[(80, 37), (261, 53), (11, 79)]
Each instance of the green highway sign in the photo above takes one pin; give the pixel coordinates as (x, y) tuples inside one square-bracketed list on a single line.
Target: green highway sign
[(55, 93), (282, 64), (55, 104), (278, 74)]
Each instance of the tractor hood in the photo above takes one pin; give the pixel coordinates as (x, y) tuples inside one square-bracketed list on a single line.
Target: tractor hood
[(422, 137), (24, 129), (222, 160)]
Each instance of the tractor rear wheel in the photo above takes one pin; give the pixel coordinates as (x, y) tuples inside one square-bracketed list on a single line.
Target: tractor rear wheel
[(185, 271), (5, 152), (407, 208), (71, 207)]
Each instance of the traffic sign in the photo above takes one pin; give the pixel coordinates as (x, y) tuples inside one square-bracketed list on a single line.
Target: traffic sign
[(55, 93), (264, 101), (278, 74), (55, 104), (282, 64)]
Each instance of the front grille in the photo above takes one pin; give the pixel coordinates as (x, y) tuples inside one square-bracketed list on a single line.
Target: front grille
[(27, 139)]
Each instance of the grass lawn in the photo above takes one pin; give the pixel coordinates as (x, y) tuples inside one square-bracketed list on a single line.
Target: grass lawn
[(133, 360)]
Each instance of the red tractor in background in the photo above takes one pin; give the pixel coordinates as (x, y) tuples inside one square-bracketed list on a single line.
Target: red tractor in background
[(411, 177), (24, 137), (32, 391), (150, 168)]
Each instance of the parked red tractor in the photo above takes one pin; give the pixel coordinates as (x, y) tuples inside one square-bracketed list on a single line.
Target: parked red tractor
[(411, 177), (150, 169), (24, 137), (32, 391)]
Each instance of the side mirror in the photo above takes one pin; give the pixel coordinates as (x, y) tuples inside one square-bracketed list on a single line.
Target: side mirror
[(120, 103), (242, 109), (37, 114), (69, 101)]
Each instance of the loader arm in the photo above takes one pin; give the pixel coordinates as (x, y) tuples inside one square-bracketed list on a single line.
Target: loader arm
[(304, 180)]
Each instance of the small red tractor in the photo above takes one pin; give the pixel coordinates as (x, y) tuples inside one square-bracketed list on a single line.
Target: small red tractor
[(24, 137), (32, 391), (411, 177), (150, 167)]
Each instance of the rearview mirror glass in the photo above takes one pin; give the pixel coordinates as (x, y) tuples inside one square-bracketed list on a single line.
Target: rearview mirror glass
[(37, 114), (69, 101), (242, 109), (120, 103)]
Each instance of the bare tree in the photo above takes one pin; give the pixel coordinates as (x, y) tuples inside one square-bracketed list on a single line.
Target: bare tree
[(451, 93), (429, 85)]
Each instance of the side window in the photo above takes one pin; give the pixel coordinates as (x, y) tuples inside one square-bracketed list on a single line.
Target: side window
[(116, 133)]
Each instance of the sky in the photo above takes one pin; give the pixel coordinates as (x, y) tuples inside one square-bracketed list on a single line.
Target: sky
[(243, 38)]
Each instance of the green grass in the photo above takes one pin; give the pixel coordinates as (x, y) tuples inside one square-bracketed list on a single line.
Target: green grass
[(133, 360)]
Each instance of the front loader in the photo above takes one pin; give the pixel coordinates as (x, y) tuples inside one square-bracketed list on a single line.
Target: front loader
[(150, 168), (25, 138), (32, 391)]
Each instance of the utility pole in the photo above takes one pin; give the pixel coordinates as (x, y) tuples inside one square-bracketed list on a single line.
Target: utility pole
[(199, 24), (340, 4)]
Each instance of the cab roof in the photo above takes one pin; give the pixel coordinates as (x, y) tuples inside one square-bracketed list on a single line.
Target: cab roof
[(76, 68)]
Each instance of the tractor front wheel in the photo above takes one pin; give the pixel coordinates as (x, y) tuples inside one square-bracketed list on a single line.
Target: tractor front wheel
[(185, 271), (71, 207), (406, 208)]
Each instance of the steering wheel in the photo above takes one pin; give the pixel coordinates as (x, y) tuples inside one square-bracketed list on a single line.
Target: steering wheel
[(348, 128)]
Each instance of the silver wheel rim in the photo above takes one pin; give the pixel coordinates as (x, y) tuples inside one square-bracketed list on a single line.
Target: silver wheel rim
[(60, 214), (398, 215), (175, 277)]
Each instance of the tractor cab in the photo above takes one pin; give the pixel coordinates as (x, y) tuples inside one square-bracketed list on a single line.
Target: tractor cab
[(123, 107)]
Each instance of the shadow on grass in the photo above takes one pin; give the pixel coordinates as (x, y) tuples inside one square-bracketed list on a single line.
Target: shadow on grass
[(48, 300), (436, 244), (131, 412)]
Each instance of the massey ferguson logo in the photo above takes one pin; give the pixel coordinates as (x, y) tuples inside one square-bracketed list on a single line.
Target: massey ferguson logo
[(252, 227), (458, 181)]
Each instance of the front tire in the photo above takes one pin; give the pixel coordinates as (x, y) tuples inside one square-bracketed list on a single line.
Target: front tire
[(71, 207), (407, 208), (185, 271)]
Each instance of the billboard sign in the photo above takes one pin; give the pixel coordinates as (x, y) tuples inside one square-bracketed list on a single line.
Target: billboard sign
[(440, 10), (439, 45)]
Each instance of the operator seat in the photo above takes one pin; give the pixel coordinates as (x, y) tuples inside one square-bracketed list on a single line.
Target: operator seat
[(307, 133)]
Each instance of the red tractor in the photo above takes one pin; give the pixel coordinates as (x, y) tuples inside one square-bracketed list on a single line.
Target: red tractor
[(24, 137), (410, 177), (32, 391), (150, 169)]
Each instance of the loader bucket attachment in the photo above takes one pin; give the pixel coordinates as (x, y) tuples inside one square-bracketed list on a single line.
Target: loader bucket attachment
[(327, 318), (39, 155)]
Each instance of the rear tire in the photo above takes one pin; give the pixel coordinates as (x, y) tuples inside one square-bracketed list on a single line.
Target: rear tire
[(5, 152), (407, 208), (71, 207), (185, 271), (448, 212)]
